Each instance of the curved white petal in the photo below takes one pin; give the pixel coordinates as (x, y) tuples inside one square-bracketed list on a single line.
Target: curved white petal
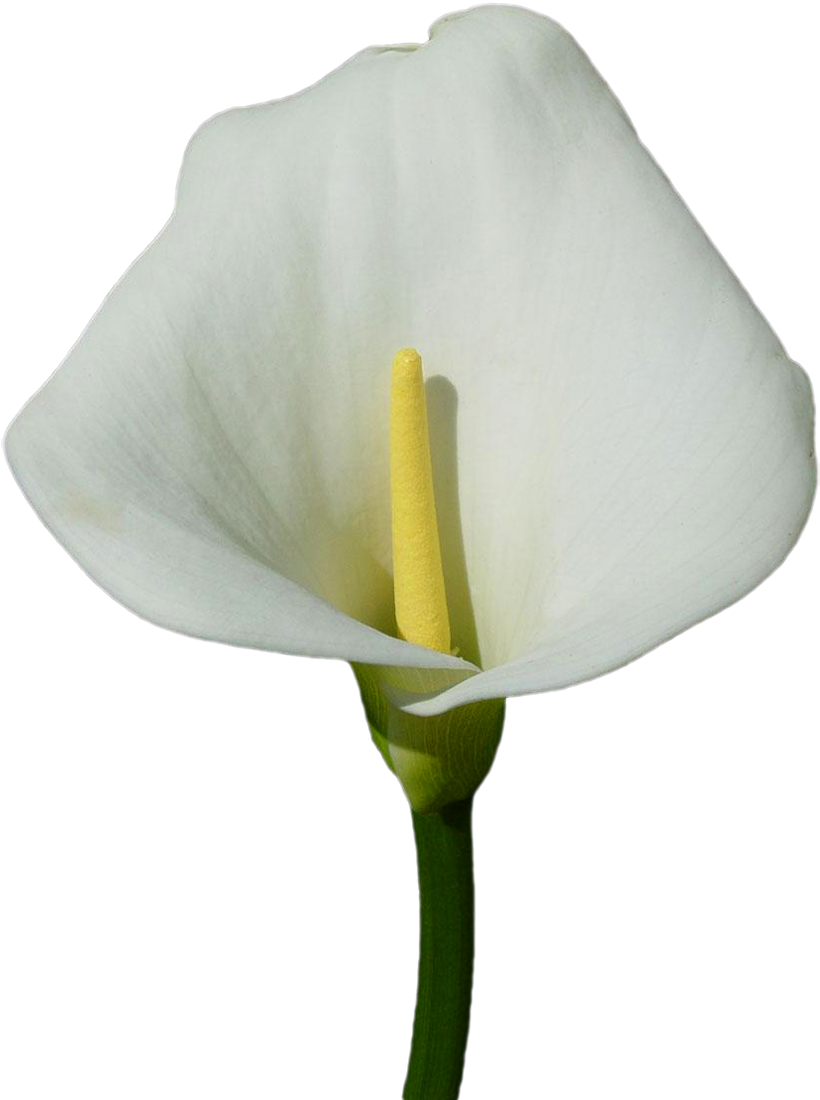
[(211, 450), (622, 445)]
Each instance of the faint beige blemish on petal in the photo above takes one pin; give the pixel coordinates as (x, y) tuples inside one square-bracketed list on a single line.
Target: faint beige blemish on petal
[(99, 513)]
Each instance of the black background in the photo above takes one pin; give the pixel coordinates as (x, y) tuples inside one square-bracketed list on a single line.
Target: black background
[(206, 889)]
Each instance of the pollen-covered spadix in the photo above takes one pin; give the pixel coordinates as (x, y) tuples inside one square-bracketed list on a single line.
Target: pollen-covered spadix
[(418, 579)]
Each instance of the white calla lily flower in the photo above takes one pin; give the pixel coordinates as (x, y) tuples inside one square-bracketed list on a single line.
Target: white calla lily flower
[(624, 447)]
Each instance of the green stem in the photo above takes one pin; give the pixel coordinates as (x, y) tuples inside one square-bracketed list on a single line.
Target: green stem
[(444, 846)]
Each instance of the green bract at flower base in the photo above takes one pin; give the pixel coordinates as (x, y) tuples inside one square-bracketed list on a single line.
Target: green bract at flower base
[(437, 760), (620, 445)]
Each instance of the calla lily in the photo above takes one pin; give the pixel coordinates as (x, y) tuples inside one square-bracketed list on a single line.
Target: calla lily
[(621, 446), (624, 446)]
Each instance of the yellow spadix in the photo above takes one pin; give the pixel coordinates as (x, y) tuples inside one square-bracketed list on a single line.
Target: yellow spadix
[(418, 579)]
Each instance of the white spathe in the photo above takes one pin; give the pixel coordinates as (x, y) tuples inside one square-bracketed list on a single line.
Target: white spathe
[(623, 447)]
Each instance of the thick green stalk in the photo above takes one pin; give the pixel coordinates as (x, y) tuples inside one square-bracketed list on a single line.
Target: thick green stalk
[(444, 846)]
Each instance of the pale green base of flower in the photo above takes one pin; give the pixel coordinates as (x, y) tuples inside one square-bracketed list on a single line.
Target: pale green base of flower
[(439, 759)]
